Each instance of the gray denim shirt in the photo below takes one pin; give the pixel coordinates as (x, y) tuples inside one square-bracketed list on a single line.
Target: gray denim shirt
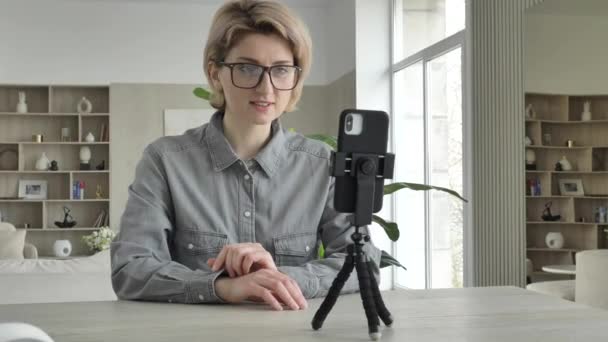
[(192, 195)]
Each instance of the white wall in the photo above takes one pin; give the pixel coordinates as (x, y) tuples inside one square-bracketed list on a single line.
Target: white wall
[(566, 54), (95, 42)]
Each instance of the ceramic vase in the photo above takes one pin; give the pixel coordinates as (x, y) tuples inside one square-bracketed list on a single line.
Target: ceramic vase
[(21, 105), (42, 164), (566, 165), (62, 248), (554, 240)]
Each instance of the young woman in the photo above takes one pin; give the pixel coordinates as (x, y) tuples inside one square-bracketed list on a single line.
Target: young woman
[(234, 210)]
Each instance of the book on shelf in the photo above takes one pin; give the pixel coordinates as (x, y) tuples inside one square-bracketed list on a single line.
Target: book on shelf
[(101, 220)]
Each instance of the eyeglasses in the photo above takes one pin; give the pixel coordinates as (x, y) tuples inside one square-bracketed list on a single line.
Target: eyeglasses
[(249, 76)]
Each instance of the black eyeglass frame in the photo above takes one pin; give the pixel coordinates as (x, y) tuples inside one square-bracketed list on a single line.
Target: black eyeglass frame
[(265, 69)]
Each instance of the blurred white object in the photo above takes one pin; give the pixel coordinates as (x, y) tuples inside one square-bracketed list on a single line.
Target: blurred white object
[(14, 332)]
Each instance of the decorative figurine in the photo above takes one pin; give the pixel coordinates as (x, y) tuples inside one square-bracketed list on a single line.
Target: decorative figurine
[(101, 166), (528, 141), (54, 166), (547, 216), (558, 166), (66, 223), (98, 193), (21, 106), (84, 106), (530, 112)]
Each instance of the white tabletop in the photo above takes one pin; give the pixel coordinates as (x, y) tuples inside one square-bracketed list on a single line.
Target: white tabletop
[(560, 269), (498, 314)]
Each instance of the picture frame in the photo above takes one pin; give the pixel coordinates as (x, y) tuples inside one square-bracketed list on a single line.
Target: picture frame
[(33, 189), (571, 187)]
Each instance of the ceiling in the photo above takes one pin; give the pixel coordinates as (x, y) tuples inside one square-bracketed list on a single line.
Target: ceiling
[(571, 7)]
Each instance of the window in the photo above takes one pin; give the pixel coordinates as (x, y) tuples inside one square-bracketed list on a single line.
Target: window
[(428, 124)]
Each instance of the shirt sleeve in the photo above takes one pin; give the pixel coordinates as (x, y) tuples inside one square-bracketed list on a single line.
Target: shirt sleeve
[(315, 277), (142, 267)]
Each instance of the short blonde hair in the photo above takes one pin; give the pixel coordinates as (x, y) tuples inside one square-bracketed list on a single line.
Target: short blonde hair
[(237, 18)]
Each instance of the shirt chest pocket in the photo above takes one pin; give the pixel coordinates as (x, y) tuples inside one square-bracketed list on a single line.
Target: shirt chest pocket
[(195, 247), (295, 249)]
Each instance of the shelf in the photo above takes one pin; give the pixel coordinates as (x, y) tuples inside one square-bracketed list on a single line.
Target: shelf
[(555, 250), (52, 114), (55, 143), (559, 147), (63, 229)]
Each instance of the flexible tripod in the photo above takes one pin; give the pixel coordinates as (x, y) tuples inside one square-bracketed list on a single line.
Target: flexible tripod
[(366, 168)]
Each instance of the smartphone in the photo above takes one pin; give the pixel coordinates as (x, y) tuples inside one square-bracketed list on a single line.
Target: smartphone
[(361, 131)]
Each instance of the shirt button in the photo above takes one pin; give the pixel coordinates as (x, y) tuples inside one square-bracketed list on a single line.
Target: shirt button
[(190, 246), (201, 297), (247, 213), (246, 177)]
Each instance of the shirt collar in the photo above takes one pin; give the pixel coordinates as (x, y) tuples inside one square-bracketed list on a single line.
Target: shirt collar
[(222, 154)]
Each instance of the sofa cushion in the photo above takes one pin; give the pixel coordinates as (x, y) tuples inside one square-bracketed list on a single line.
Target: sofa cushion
[(11, 244)]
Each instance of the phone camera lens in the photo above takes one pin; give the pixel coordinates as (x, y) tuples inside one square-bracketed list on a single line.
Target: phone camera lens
[(349, 123)]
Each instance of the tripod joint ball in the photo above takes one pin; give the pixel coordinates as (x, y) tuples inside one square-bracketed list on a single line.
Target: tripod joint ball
[(365, 169)]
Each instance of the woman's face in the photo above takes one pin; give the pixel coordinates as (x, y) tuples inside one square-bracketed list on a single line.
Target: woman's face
[(264, 103)]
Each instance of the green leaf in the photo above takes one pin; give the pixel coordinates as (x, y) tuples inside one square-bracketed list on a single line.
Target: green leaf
[(202, 93), (393, 187), (387, 260), (391, 228), (321, 252), (328, 139)]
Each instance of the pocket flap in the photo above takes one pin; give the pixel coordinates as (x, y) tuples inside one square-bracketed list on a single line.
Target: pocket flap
[(199, 242), (300, 244)]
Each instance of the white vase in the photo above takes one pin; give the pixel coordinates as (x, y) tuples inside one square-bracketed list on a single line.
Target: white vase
[(42, 164), (554, 240), (85, 154), (566, 165), (90, 137), (62, 248), (21, 105), (586, 116), (84, 106)]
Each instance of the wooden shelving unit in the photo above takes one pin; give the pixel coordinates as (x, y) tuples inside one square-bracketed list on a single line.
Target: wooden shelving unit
[(51, 108), (560, 117)]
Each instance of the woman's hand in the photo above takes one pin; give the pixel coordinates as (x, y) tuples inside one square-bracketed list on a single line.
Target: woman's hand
[(241, 259), (266, 285)]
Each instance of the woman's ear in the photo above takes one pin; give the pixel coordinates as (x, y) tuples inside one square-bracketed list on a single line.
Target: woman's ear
[(213, 76)]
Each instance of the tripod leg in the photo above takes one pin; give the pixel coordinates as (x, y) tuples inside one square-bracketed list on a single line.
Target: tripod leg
[(334, 291), (383, 312), (367, 297)]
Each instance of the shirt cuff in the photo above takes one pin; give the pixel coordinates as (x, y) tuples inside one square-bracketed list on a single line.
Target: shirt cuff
[(308, 281), (201, 288)]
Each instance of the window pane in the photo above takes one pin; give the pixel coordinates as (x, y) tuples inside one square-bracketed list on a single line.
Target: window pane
[(422, 23), (409, 167), (445, 148)]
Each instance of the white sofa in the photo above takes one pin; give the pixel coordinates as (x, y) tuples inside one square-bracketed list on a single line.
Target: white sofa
[(83, 279)]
